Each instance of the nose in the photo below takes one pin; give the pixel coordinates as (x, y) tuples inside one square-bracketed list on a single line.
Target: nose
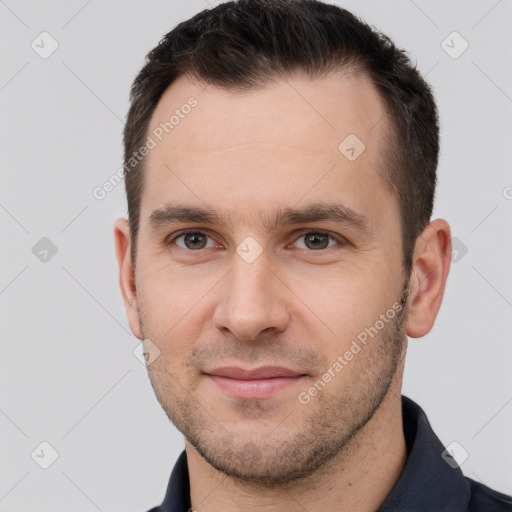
[(253, 299)]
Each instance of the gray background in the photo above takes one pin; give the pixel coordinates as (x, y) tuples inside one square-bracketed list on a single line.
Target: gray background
[(68, 375)]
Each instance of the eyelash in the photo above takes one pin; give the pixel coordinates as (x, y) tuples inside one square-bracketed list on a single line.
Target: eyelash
[(340, 240)]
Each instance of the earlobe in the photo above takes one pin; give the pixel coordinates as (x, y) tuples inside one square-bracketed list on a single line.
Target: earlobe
[(127, 274), (431, 264)]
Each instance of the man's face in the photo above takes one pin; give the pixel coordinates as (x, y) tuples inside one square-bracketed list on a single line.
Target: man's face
[(252, 293)]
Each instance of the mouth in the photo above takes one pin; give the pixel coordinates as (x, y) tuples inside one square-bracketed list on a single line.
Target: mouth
[(256, 384)]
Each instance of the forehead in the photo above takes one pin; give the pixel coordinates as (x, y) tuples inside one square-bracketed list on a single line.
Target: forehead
[(293, 138), (317, 113)]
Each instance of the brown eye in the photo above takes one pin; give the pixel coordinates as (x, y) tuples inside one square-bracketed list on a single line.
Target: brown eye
[(192, 240), (318, 240), (196, 240), (314, 241)]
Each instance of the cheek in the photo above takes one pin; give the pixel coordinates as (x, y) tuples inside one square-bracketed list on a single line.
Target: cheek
[(346, 303), (171, 309)]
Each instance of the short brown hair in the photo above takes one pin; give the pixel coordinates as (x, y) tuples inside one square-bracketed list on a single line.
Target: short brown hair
[(249, 43)]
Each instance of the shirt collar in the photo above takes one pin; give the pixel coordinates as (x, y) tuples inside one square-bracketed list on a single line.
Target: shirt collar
[(427, 481)]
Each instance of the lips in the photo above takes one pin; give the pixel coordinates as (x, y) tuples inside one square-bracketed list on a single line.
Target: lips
[(256, 384), (265, 372)]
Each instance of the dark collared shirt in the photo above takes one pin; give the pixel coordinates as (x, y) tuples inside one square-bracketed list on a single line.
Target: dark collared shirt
[(431, 481)]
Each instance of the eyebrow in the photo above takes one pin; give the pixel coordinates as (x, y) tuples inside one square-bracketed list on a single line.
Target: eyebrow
[(335, 212)]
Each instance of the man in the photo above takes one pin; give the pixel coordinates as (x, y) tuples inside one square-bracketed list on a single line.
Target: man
[(280, 166)]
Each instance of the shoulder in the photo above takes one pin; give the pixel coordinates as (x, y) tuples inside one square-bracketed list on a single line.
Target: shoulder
[(484, 498)]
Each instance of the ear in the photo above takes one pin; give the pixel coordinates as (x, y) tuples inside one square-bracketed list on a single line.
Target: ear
[(127, 275), (431, 264)]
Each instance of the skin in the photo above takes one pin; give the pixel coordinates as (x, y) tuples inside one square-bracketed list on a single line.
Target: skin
[(245, 155)]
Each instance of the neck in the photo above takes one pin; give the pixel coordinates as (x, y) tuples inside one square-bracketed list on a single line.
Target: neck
[(358, 479)]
